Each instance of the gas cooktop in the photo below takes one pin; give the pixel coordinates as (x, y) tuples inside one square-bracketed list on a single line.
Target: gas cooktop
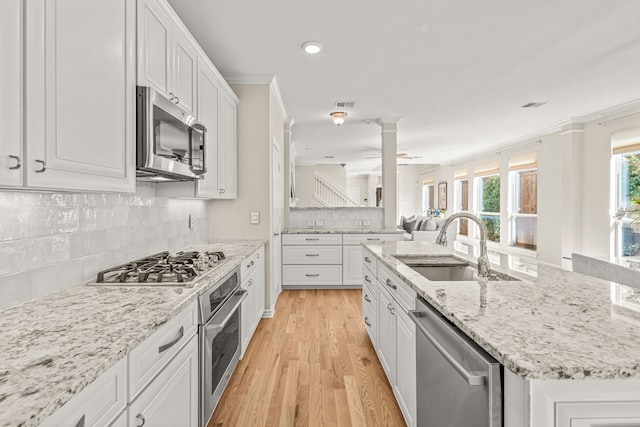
[(164, 268)]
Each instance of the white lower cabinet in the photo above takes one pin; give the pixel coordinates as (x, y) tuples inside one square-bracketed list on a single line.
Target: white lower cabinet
[(351, 265), (252, 276), (98, 404), (172, 398), (391, 330), (121, 421)]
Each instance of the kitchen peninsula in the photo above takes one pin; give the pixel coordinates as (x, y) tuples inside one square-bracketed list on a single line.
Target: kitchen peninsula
[(569, 343)]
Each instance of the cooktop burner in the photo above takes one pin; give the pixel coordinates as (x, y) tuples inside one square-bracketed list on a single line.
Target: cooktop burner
[(162, 269)]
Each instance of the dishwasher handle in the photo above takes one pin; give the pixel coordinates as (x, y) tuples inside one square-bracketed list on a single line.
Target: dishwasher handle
[(472, 378)]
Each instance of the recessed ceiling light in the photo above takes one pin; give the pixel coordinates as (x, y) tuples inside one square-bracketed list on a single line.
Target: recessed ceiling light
[(312, 47), (533, 105)]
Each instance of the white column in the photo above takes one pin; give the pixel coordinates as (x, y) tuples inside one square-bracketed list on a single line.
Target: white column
[(570, 213), (389, 171)]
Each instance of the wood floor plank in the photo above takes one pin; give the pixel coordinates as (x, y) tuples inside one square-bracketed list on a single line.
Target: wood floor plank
[(312, 364)]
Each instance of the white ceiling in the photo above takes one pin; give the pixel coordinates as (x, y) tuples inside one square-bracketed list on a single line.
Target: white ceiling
[(456, 72)]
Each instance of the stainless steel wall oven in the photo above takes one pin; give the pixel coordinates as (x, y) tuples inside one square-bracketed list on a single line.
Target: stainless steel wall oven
[(219, 334)]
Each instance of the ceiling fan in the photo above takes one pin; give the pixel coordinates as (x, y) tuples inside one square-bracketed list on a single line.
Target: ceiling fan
[(377, 155)]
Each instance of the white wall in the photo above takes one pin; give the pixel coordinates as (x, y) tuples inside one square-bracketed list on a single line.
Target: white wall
[(409, 191), (361, 182), (560, 204), (52, 241), (306, 183)]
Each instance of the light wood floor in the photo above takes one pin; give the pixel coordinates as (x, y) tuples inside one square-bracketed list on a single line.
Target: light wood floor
[(311, 365)]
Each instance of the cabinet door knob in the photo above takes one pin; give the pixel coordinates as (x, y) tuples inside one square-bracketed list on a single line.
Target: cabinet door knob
[(177, 100), (18, 162), (171, 96), (140, 420), (44, 166)]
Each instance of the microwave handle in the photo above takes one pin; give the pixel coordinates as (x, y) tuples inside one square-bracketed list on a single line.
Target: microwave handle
[(199, 127)]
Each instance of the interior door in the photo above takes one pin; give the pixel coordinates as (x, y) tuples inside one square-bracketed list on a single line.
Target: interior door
[(276, 270)]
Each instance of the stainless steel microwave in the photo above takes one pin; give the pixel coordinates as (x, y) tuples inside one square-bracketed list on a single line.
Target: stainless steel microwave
[(170, 143)]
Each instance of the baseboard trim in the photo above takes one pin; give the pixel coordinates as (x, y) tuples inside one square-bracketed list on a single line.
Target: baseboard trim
[(268, 314)]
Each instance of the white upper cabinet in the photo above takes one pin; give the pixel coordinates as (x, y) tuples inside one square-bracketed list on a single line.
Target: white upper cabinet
[(167, 60), (227, 149), (11, 153), (208, 95), (80, 95)]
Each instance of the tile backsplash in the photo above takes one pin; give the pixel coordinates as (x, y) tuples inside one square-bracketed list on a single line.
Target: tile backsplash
[(336, 217), (51, 241)]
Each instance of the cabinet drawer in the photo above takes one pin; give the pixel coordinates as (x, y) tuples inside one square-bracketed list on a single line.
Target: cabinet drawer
[(98, 404), (370, 261), (312, 254), (147, 359), (356, 239), (368, 278), (397, 288), (312, 275), (371, 323), (250, 263), (312, 239), (369, 297)]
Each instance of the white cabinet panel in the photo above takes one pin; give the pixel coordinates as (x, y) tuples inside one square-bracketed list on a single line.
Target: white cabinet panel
[(358, 238), (148, 358), (312, 239), (405, 386), (247, 311), (227, 149), (155, 32), (312, 255), (98, 404), (121, 421), (387, 335), (11, 142), (311, 275), (172, 398), (208, 96), (351, 265), (80, 114), (185, 62)]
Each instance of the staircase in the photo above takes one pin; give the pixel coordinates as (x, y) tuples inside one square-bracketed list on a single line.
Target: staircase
[(330, 195)]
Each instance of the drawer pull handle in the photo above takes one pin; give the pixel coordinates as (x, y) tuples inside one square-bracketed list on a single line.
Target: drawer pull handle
[(44, 166), (312, 254), (173, 342), (367, 279), (312, 240), (366, 298), (366, 322), (312, 275), (250, 282), (252, 263), (140, 417), (391, 285), (18, 162), (81, 421), (390, 308), (373, 238), (367, 259)]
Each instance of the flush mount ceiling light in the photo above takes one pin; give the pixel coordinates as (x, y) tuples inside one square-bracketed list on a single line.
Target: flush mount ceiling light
[(312, 47), (338, 117)]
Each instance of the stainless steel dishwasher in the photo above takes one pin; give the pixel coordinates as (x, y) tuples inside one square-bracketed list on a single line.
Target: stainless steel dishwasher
[(458, 383)]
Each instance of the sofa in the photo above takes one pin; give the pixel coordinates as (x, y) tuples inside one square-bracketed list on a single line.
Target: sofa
[(424, 228)]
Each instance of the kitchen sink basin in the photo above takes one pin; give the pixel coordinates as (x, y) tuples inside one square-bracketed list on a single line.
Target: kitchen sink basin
[(443, 268)]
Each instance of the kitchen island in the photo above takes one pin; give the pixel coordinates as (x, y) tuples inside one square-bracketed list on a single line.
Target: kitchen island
[(569, 343)]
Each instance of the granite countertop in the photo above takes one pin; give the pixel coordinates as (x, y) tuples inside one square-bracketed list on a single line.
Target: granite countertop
[(55, 346), (560, 325), (332, 230)]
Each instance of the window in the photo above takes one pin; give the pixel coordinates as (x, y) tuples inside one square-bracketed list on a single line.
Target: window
[(626, 158), (461, 183), (428, 202), (488, 187), (523, 172)]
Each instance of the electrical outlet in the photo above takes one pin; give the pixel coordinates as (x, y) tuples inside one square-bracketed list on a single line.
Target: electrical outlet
[(192, 222), (319, 223), (311, 223), (255, 217), (357, 222), (366, 222)]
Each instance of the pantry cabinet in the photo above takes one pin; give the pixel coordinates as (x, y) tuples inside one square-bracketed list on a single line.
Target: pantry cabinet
[(167, 61), (80, 115), (11, 107)]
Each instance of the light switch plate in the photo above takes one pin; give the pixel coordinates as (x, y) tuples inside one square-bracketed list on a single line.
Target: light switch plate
[(366, 222), (192, 221), (311, 223), (319, 223), (255, 217), (357, 222)]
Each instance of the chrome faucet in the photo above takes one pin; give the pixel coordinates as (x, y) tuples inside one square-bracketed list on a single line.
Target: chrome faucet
[(483, 259)]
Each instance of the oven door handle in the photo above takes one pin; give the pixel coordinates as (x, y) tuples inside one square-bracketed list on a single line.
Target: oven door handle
[(234, 302)]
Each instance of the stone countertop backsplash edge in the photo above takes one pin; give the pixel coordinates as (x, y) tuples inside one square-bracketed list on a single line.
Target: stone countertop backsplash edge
[(341, 230), (55, 337), (560, 325)]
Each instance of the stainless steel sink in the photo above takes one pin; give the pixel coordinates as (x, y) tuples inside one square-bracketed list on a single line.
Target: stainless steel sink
[(447, 268)]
